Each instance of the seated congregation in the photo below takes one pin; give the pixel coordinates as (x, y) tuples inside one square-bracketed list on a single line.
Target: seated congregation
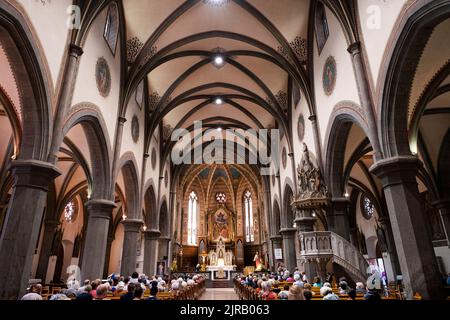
[(287, 286), (136, 287)]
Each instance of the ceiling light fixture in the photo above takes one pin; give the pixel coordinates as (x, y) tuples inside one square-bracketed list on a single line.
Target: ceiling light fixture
[(215, 3), (219, 129), (218, 101), (219, 61)]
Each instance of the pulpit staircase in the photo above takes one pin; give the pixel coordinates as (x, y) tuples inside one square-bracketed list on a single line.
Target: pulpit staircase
[(327, 245)]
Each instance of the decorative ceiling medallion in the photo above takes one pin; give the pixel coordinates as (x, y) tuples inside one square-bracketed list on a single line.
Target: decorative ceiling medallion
[(216, 3), (134, 45), (135, 129), (154, 158), (299, 47), (284, 158), (103, 77), (301, 128), (329, 76)]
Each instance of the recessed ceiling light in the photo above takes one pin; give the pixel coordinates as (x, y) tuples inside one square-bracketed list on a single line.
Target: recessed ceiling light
[(218, 101)]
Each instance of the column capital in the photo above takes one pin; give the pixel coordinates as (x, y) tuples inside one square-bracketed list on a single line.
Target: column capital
[(99, 208), (354, 48), (275, 237), (132, 225), (340, 200), (165, 239), (441, 203), (396, 170), (52, 223), (313, 118), (75, 50), (152, 234), (34, 174), (122, 120), (288, 231)]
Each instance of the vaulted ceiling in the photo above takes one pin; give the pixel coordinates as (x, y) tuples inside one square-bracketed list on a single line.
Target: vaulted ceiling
[(174, 45)]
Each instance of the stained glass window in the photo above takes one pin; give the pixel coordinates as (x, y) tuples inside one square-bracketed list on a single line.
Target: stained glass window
[(192, 219), (249, 228), (70, 211), (221, 197), (368, 208)]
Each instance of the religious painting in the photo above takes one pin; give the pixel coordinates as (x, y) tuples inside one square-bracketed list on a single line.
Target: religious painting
[(329, 76), (222, 226), (103, 77), (135, 129)]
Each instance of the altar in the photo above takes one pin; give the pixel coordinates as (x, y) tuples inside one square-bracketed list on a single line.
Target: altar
[(220, 261)]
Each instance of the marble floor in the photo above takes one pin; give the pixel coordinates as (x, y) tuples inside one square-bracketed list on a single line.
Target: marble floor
[(219, 294)]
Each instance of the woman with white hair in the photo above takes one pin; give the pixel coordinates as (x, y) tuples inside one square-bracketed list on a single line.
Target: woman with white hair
[(324, 288), (360, 288), (267, 288), (328, 294), (298, 280)]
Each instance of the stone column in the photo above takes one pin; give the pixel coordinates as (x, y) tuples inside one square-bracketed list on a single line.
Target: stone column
[(50, 227), (132, 228), (305, 223), (290, 258), (164, 247), (22, 224), (118, 147), (151, 251), (444, 209), (94, 251), (317, 141), (413, 242), (276, 242), (108, 254), (65, 98), (390, 242), (365, 95), (338, 220)]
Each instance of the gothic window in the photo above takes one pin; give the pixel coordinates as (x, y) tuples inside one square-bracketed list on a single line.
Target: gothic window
[(321, 26), (367, 207), (248, 207), (70, 211), (111, 31), (192, 219)]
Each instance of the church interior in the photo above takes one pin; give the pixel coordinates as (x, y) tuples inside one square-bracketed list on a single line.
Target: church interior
[(224, 149)]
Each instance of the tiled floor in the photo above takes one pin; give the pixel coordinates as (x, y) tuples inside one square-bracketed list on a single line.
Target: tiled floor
[(219, 294)]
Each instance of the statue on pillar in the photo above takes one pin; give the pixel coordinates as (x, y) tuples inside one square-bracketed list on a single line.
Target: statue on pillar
[(310, 182)]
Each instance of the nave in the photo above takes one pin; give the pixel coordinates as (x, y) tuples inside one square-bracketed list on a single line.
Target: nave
[(248, 144)]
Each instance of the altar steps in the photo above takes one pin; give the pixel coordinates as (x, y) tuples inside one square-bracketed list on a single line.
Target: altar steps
[(221, 284)]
